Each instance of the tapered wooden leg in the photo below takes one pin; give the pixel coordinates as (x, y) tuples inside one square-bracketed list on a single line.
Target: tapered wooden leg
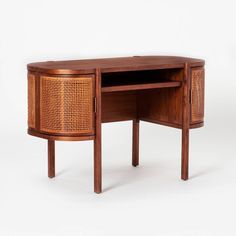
[(185, 154), (135, 145), (51, 159)]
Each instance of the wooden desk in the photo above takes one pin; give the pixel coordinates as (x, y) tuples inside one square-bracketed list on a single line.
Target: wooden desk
[(69, 100)]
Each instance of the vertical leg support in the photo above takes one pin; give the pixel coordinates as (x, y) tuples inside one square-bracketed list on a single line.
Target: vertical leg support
[(51, 158), (186, 122), (185, 154), (98, 137), (97, 165), (135, 145)]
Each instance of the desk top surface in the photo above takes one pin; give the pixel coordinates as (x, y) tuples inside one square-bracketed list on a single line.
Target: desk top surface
[(113, 64)]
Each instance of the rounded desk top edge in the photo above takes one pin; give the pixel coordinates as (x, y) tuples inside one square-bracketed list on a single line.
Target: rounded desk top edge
[(117, 64)]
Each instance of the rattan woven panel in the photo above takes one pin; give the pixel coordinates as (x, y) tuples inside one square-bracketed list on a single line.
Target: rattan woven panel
[(66, 105), (197, 88), (31, 100)]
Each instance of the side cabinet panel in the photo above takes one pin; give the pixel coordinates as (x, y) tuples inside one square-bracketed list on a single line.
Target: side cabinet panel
[(67, 105), (197, 95)]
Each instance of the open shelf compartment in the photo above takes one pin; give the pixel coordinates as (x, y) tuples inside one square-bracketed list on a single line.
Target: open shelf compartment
[(140, 80)]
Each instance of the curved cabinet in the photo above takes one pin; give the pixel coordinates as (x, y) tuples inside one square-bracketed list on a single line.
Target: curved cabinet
[(61, 105)]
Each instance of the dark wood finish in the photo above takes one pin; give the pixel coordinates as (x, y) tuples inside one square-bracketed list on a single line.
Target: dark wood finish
[(51, 158), (135, 144), (197, 125), (112, 64), (163, 105), (98, 138), (159, 89), (192, 126), (186, 121), (141, 86), (59, 137), (119, 106)]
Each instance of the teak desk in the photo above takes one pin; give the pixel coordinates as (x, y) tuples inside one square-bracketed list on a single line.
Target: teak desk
[(69, 100)]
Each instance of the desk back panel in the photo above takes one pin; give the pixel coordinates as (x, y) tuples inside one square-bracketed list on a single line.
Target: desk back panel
[(163, 105), (119, 106)]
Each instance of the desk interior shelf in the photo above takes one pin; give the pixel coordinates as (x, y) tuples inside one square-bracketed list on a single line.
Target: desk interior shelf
[(141, 86)]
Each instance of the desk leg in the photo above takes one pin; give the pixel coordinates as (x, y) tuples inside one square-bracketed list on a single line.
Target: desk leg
[(97, 165), (186, 120), (98, 138), (51, 159), (185, 153), (135, 146)]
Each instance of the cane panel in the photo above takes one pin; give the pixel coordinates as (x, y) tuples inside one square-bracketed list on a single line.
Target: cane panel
[(66, 105), (197, 95), (31, 100)]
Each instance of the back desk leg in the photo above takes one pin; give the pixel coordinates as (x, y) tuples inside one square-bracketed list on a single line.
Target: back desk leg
[(51, 158), (186, 121), (135, 145)]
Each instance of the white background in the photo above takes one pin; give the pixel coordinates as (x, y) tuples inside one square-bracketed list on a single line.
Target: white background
[(150, 199)]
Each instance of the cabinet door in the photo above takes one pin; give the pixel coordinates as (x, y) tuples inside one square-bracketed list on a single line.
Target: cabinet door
[(67, 105), (197, 95)]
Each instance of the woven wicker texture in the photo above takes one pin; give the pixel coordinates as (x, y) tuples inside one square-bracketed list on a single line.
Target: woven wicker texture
[(197, 88), (66, 105), (31, 100)]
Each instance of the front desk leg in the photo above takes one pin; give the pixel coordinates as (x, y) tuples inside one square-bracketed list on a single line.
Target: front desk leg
[(98, 137), (135, 145), (97, 165), (185, 153), (51, 158)]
